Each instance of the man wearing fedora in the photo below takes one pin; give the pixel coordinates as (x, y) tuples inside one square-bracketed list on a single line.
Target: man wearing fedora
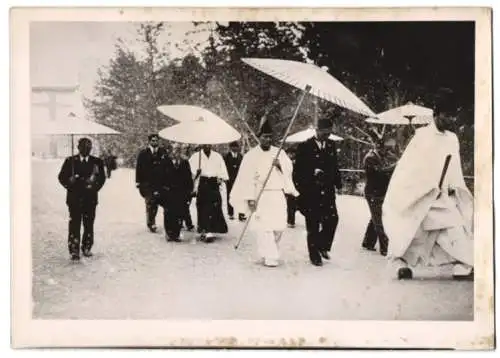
[(316, 176)]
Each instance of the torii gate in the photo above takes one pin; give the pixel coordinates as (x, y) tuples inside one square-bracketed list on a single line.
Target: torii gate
[(52, 92)]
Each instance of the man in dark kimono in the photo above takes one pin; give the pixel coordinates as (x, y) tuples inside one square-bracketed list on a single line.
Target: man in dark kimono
[(316, 175), (233, 160), (379, 164), (178, 187), (83, 176), (148, 177)]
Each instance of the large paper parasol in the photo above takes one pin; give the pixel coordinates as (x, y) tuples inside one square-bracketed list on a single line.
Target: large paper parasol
[(408, 114), (71, 125), (197, 126), (310, 79), (301, 75), (183, 113), (304, 135)]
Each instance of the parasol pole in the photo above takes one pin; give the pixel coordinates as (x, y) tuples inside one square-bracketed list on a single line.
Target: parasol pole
[(240, 115), (304, 93)]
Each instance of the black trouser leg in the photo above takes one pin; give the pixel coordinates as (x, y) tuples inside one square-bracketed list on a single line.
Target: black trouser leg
[(291, 207), (88, 227), (370, 238), (151, 210), (313, 237), (187, 216), (75, 222), (375, 204), (230, 209), (172, 221), (329, 223)]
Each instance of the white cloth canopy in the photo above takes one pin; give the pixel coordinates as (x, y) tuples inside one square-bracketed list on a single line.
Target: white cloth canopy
[(323, 85), (304, 135)]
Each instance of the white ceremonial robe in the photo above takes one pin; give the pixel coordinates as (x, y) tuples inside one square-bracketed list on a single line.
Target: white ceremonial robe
[(270, 217), (422, 229), (212, 166)]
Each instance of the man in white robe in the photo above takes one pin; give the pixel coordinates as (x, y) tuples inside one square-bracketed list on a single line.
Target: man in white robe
[(210, 172), (428, 209), (269, 218)]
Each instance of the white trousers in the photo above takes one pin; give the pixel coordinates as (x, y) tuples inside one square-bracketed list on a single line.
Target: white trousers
[(268, 244)]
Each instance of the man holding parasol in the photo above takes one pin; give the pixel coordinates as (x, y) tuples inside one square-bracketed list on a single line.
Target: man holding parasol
[(270, 212)]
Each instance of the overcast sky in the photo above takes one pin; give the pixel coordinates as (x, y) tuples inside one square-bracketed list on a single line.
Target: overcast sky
[(67, 53)]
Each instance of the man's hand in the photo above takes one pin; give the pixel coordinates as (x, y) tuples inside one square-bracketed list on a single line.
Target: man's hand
[(73, 178), (137, 185), (252, 205)]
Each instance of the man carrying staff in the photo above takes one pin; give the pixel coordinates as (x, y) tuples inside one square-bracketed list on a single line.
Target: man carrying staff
[(177, 191), (233, 160), (148, 177), (316, 175), (269, 218), (428, 209), (210, 171), (82, 175)]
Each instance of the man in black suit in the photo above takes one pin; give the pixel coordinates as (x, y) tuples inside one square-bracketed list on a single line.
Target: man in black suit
[(233, 160), (148, 177), (316, 175), (177, 190), (82, 175)]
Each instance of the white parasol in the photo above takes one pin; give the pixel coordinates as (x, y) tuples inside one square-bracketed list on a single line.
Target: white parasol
[(304, 135), (310, 79), (198, 126), (408, 114), (186, 113), (71, 125), (301, 75)]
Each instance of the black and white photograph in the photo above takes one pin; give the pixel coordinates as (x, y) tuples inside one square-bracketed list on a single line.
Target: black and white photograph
[(271, 168)]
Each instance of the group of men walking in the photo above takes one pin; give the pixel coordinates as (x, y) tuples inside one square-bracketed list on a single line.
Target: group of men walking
[(421, 210)]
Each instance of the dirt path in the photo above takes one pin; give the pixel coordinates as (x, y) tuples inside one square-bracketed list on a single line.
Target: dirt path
[(138, 275)]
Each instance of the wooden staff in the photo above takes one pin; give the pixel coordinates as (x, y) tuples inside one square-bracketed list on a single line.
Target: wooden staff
[(306, 91)]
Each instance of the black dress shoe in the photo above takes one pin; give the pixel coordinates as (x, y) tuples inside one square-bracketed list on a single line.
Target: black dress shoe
[(175, 239), (152, 228), (231, 217), (368, 248), (383, 253), (317, 262), (324, 254), (75, 258), (405, 273), (241, 217), (87, 253)]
